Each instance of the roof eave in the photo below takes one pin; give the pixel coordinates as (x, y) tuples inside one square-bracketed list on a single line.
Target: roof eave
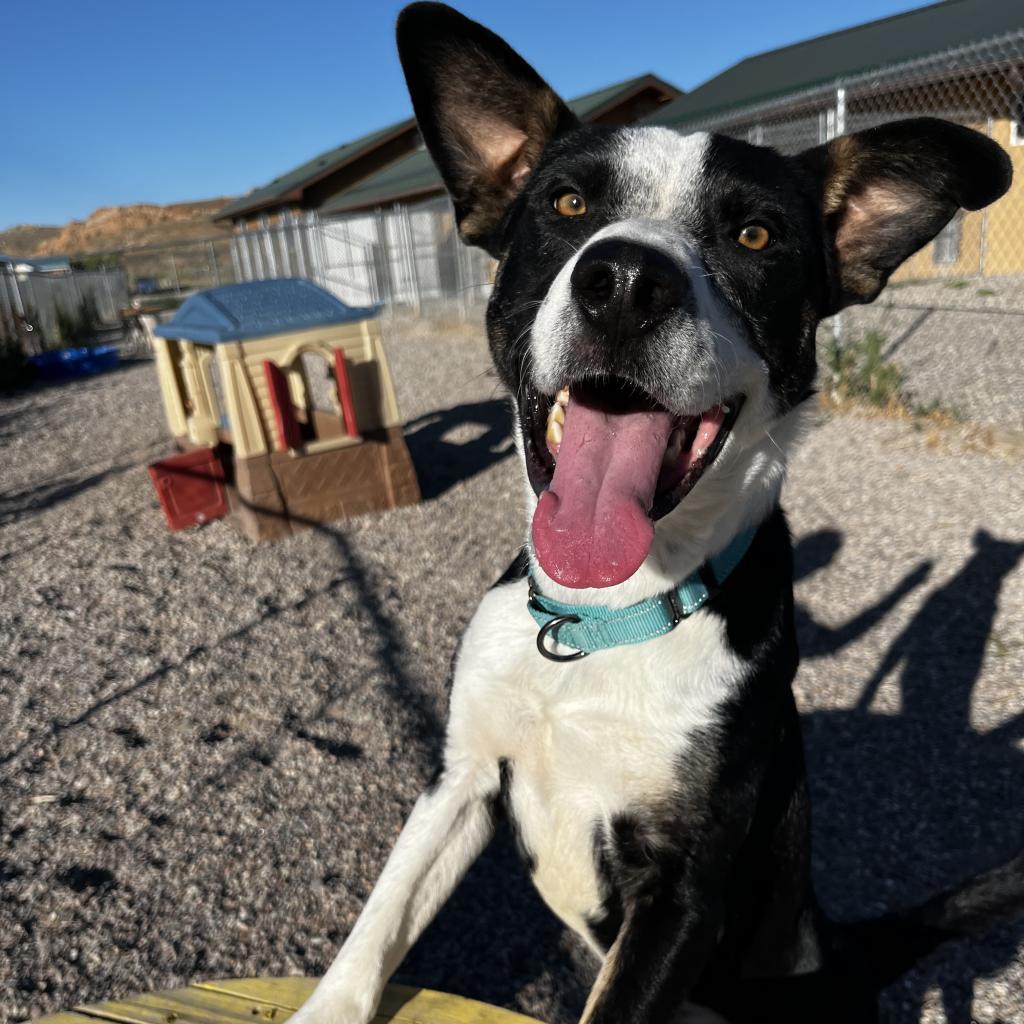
[(297, 194), (647, 82), (422, 192)]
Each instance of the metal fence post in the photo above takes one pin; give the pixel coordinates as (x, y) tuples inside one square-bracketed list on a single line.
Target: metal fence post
[(213, 262), (840, 129)]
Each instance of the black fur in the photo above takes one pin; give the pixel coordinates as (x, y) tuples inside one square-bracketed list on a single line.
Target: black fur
[(504, 803)]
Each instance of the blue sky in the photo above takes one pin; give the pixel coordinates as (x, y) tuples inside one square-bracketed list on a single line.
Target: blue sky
[(111, 102)]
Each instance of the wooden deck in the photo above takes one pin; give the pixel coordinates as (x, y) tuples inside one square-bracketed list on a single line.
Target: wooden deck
[(272, 1001)]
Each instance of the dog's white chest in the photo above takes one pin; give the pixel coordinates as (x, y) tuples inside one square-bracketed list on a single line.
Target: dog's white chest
[(584, 741)]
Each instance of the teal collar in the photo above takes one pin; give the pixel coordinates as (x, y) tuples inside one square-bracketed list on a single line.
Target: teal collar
[(591, 628)]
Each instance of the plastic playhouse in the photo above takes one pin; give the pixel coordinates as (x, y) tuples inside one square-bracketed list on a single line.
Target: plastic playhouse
[(281, 399)]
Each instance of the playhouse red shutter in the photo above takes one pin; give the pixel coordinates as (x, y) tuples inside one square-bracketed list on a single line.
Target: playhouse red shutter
[(288, 433), (348, 407)]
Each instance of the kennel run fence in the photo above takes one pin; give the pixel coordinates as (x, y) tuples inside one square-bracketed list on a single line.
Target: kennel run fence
[(406, 257), (32, 301)]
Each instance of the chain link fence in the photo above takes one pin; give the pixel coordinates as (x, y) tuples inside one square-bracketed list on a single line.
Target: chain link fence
[(42, 310), (952, 316), (405, 257)]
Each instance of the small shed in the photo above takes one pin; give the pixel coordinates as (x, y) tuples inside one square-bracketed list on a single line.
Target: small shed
[(291, 388)]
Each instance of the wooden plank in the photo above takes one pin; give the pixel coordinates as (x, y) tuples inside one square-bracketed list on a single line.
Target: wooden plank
[(424, 1006), (399, 1003), (288, 993), (272, 1001), (66, 1017), (186, 1006)]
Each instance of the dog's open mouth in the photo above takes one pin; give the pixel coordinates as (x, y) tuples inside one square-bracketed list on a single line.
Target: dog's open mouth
[(606, 461)]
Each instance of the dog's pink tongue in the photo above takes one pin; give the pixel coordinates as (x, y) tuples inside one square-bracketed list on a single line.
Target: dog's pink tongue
[(591, 527)]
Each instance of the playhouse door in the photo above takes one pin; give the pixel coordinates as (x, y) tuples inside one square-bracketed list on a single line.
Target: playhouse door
[(190, 487)]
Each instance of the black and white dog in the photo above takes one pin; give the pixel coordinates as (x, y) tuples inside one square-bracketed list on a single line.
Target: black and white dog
[(623, 695)]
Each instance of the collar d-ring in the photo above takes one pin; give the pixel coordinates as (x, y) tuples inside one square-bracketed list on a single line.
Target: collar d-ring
[(547, 628)]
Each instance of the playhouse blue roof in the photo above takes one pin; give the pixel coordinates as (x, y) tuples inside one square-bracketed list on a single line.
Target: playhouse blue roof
[(257, 308)]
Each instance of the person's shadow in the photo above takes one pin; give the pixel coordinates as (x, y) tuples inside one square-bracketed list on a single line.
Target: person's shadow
[(909, 803), (813, 553)]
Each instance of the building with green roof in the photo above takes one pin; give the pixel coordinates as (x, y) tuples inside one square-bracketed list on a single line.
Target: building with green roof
[(778, 76), (390, 164), (370, 221)]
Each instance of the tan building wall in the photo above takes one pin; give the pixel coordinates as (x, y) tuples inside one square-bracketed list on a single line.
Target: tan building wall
[(1004, 250), (991, 240)]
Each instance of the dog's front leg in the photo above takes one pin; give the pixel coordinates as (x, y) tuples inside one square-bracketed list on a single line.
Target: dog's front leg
[(446, 831), (663, 945)]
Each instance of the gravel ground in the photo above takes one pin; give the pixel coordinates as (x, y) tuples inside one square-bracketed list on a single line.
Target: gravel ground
[(959, 343), (209, 747)]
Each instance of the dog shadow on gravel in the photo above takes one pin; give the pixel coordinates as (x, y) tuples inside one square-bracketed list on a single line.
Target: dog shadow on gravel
[(910, 803), (451, 445)]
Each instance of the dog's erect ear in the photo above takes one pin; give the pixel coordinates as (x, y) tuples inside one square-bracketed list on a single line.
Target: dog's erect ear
[(887, 191), (484, 113)]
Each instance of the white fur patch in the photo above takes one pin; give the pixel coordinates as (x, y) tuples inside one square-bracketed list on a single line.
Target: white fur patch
[(658, 173)]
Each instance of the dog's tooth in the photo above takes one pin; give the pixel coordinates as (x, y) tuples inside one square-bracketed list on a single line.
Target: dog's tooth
[(726, 410), (554, 432), (557, 414), (562, 398)]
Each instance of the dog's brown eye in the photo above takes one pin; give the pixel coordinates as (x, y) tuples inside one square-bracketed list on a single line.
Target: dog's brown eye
[(754, 236), (570, 204)]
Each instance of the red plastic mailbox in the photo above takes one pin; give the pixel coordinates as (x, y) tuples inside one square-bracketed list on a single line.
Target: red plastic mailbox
[(190, 487)]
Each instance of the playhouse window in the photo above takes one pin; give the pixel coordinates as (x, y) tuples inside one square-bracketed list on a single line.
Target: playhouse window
[(321, 419), (1017, 133)]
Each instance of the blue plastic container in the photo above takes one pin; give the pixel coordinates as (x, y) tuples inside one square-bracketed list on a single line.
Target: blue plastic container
[(75, 362)]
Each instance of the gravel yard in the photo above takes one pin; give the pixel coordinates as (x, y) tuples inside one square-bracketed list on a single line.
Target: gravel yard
[(209, 747)]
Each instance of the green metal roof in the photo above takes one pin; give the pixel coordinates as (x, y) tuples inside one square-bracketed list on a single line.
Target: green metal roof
[(411, 176), (415, 175), (591, 104), (802, 65), (313, 170)]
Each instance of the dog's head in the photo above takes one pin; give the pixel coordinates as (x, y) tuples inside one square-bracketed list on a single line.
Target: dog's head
[(657, 295)]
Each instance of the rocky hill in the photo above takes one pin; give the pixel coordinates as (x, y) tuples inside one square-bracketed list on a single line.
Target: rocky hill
[(26, 239), (117, 227)]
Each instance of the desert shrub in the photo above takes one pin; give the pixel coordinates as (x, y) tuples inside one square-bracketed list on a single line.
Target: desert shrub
[(859, 371)]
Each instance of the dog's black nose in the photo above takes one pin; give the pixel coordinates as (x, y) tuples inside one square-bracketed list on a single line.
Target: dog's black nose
[(626, 288)]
